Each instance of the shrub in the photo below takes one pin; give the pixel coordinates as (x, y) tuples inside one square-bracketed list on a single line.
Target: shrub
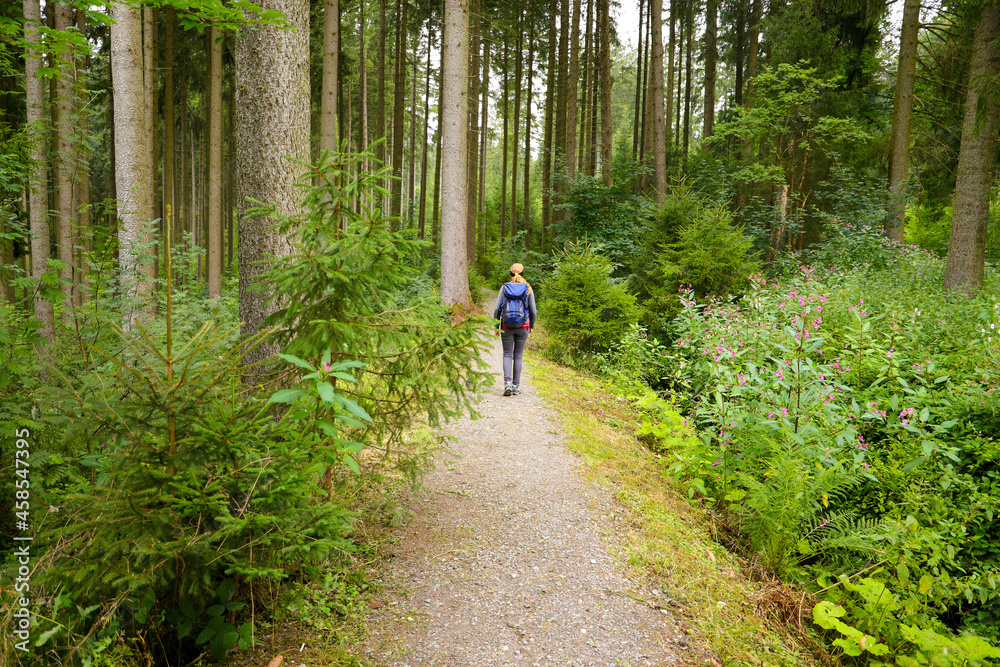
[(586, 309)]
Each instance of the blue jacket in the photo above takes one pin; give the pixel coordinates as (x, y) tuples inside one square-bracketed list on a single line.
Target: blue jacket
[(532, 310)]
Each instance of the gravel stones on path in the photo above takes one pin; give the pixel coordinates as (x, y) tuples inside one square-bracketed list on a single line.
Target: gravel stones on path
[(502, 562)]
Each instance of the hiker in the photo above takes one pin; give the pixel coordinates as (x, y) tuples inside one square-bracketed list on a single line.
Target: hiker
[(516, 311)]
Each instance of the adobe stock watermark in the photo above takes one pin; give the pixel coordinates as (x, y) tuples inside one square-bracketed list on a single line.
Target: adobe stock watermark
[(22, 539)]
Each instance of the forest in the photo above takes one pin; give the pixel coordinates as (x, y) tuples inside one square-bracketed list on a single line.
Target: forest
[(244, 249)]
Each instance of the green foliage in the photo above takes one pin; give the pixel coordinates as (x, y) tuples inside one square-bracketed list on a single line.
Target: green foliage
[(586, 309), (338, 291)]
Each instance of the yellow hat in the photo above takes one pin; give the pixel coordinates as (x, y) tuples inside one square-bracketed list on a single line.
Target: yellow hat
[(517, 268)]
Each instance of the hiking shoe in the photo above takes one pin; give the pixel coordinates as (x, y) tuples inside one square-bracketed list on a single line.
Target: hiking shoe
[(508, 388), (516, 390)]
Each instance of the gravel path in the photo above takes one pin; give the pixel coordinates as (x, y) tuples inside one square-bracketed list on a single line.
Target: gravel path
[(503, 563)]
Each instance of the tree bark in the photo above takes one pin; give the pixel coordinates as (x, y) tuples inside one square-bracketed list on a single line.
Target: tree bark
[(739, 53), (687, 81), (473, 168), (562, 100), (589, 86), (656, 93), (518, 62), (38, 207), (83, 236), (272, 131), (971, 206), (454, 143), (571, 93), (604, 18), (63, 132), (132, 172), (411, 167), (380, 102), (435, 220), (752, 49), (671, 70), (422, 215), (506, 125), (484, 126), (399, 97), (527, 137), (550, 101), (711, 19), (363, 83), (169, 119), (637, 111), (902, 113), (215, 165), (329, 98)]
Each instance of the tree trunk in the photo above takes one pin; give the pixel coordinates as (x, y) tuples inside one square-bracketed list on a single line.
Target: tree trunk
[(435, 220), (272, 130), (971, 206), (484, 126), (656, 93), (639, 61), (38, 207), (752, 49), (363, 76), (527, 138), (589, 81), (215, 165), (562, 86), (83, 236), (518, 63), (186, 227), (63, 147), (132, 173), (739, 48), (454, 143), (411, 168), (506, 125), (687, 81), (902, 113), (671, 70), (711, 19), (380, 102), (169, 119), (329, 97), (399, 97), (473, 167), (645, 127), (679, 106), (550, 101), (422, 216), (571, 93), (604, 19)]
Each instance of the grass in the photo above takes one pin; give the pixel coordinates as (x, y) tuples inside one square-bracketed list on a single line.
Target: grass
[(668, 543)]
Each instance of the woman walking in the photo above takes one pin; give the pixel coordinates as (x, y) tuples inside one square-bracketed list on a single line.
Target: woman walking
[(516, 311)]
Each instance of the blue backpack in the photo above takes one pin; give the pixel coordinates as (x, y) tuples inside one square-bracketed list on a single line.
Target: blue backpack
[(514, 307)]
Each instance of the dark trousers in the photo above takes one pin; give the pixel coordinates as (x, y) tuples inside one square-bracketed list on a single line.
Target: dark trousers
[(513, 341)]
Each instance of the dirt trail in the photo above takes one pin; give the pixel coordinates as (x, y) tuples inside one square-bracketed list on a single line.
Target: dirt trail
[(503, 563)]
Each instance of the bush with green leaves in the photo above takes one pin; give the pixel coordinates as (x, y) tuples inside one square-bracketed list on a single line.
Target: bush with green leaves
[(875, 371), (586, 310), (692, 243)]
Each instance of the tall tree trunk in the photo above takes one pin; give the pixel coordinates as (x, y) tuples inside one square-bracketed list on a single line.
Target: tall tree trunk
[(671, 70), (971, 206), (518, 63), (363, 76), (739, 53), (687, 80), (454, 143), (679, 106), (559, 158), (639, 69), (215, 165), (656, 93), (399, 95), (571, 93), (329, 98), (645, 128), (435, 220), (527, 136), (752, 48), (550, 100), (902, 113), (230, 135), (422, 216), (38, 206), (186, 227), (473, 167), (484, 126), (169, 119), (81, 288), (132, 173), (63, 132), (411, 169), (272, 120), (711, 19), (380, 102), (589, 80), (604, 19), (506, 124), (592, 143)]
